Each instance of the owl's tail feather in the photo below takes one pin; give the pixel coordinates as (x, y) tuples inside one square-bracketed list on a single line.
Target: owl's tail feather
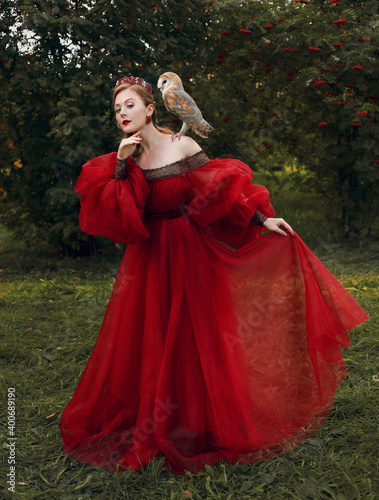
[(202, 128)]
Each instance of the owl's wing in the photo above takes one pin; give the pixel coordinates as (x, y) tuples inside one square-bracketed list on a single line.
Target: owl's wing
[(183, 106)]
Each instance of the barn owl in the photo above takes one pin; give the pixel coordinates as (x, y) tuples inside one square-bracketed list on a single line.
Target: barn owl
[(182, 105)]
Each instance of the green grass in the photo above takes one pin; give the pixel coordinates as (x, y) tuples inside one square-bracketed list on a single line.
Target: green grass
[(51, 313)]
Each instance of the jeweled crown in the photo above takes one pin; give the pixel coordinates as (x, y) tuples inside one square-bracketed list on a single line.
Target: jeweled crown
[(135, 80)]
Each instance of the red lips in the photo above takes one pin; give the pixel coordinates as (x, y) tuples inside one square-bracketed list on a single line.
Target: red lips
[(125, 122)]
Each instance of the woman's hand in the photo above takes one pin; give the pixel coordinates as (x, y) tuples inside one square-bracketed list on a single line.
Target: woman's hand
[(128, 145), (273, 225)]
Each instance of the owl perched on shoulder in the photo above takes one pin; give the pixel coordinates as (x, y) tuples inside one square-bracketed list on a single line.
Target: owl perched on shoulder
[(182, 105)]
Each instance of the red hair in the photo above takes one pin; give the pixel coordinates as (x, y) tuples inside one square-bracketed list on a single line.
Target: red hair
[(147, 99)]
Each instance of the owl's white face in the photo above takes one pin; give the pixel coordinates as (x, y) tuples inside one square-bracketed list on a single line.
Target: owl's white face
[(163, 83)]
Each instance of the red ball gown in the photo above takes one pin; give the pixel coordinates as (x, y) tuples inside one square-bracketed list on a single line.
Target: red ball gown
[(221, 340)]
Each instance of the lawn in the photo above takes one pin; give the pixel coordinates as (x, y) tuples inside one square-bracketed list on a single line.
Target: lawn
[(51, 312)]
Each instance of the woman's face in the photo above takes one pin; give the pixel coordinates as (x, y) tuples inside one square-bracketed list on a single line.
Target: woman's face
[(131, 111)]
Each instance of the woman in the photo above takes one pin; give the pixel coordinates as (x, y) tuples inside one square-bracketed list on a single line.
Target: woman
[(220, 342)]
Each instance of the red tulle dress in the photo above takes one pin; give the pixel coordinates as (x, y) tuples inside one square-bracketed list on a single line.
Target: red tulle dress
[(221, 340)]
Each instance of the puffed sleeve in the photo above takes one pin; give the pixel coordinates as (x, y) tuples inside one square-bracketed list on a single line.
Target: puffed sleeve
[(223, 200), (112, 207)]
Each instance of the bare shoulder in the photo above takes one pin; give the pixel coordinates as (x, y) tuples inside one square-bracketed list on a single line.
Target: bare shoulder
[(186, 146)]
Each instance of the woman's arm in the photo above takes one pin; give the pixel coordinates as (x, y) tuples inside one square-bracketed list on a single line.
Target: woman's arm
[(258, 218), (121, 170), (271, 223)]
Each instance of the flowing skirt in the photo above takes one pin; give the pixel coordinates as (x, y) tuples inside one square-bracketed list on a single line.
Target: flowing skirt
[(208, 353)]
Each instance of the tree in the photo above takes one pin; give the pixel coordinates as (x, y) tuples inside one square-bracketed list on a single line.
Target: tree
[(304, 76), (60, 62), (285, 79)]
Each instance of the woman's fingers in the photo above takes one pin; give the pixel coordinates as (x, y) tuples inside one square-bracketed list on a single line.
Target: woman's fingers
[(280, 231), (273, 225), (282, 222), (286, 225), (131, 140)]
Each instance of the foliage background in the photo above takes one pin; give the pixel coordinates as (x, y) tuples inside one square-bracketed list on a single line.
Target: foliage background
[(249, 66), (265, 75)]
